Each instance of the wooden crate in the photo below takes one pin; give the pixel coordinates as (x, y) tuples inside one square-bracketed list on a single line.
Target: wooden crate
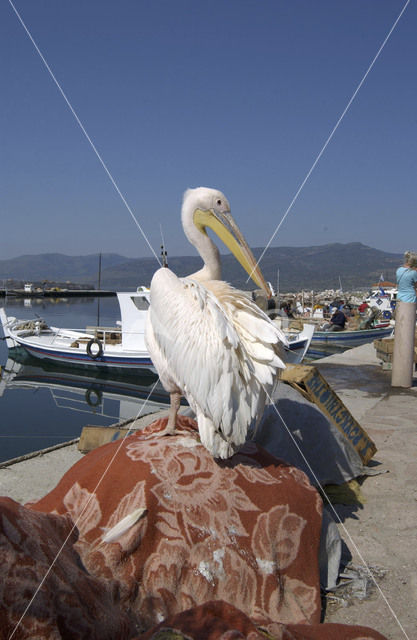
[(309, 381), (385, 350), (384, 356), (384, 345)]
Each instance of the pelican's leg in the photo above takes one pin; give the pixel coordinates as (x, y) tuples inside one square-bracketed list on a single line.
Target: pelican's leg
[(170, 429), (175, 401)]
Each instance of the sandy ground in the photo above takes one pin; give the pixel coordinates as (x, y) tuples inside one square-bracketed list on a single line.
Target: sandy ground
[(380, 535)]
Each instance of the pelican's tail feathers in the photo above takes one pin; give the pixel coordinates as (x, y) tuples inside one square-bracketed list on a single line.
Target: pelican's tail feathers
[(214, 441)]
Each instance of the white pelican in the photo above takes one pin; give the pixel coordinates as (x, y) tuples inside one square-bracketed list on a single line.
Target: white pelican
[(207, 340)]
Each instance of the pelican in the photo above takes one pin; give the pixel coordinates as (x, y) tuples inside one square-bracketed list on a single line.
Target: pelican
[(208, 341)]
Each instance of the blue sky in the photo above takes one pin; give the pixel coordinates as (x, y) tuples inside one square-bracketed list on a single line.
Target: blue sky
[(236, 94)]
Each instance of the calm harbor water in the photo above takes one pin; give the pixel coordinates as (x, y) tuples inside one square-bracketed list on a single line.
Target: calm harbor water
[(42, 405)]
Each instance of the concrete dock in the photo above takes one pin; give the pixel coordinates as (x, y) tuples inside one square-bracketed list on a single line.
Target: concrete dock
[(382, 532), (379, 534)]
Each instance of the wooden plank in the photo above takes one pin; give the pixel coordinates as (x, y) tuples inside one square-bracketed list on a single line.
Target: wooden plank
[(95, 436), (309, 381)]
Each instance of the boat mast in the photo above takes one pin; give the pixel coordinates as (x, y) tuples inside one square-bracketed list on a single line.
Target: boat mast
[(164, 254), (278, 294)]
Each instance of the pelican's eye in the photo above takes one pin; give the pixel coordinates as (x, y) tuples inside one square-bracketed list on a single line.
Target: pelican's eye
[(219, 202)]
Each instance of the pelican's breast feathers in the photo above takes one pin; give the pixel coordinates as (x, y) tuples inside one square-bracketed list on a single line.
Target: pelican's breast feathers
[(215, 346)]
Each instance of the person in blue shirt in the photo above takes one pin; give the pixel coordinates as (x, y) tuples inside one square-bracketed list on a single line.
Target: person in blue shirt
[(407, 278)]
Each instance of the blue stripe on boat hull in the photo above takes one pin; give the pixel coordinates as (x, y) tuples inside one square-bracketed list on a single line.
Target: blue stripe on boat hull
[(84, 359), (349, 338)]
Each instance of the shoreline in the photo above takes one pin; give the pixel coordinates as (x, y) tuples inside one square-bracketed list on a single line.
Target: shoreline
[(62, 293)]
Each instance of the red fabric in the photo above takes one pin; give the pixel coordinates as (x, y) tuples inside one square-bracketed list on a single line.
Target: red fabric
[(330, 631), (70, 603), (221, 621), (209, 621), (243, 531)]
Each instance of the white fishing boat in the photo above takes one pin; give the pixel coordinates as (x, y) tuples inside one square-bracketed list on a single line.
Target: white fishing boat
[(325, 343), (299, 342), (352, 338), (119, 347), (384, 300)]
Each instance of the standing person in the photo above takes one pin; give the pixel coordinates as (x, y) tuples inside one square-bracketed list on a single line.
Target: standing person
[(407, 278), (405, 322)]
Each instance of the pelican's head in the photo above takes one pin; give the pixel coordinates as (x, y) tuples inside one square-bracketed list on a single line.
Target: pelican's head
[(204, 207)]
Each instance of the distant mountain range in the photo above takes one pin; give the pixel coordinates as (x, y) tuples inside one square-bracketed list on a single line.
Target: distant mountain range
[(354, 264)]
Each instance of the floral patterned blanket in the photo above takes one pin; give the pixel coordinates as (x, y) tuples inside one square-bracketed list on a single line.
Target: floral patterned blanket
[(210, 549)]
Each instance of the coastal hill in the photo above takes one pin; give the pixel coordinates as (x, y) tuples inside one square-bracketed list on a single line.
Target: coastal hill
[(355, 265)]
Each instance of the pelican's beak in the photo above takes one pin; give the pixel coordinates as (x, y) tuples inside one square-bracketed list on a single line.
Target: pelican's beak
[(227, 230)]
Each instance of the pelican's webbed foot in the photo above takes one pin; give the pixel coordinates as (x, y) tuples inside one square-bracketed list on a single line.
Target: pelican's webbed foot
[(171, 428)]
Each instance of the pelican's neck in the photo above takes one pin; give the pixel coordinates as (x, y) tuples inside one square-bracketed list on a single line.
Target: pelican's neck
[(211, 258), (201, 241)]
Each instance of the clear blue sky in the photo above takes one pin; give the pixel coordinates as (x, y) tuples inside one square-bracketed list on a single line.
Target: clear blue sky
[(235, 94)]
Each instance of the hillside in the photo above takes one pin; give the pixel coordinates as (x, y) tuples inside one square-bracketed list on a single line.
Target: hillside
[(317, 267), (56, 266)]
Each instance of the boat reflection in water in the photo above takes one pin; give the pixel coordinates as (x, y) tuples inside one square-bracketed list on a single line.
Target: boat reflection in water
[(109, 395)]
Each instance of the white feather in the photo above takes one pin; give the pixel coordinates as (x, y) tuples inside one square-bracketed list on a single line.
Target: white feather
[(123, 525)]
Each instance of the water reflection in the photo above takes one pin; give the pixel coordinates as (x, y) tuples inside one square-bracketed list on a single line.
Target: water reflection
[(75, 397), (42, 404)]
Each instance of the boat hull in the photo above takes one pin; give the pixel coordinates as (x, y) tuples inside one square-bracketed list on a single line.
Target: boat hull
[(331, 342), (132, 362), (298, 344), (350, 338)]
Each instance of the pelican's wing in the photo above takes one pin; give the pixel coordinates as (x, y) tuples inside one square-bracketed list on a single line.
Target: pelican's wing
[(218, 349)]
